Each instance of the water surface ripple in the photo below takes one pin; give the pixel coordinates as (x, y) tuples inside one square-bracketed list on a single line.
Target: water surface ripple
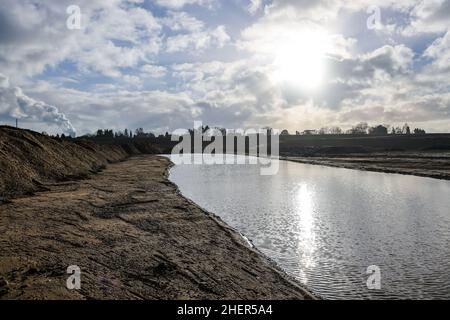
[(325, 226)]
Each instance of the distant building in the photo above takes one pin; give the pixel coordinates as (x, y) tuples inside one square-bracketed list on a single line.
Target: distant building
[(378, 131), (309, 132)]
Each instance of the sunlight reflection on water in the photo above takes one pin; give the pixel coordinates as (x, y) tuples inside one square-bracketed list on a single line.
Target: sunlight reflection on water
[(325, 226)]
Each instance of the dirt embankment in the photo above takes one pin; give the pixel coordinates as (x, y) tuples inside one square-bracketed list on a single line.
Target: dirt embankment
[(128, 229), (420, 155), (29, 160), (134, 237), (423, 164), (316, 145)]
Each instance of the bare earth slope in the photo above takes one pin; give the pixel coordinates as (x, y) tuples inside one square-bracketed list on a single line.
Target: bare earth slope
[(134, 237), (29, 159)]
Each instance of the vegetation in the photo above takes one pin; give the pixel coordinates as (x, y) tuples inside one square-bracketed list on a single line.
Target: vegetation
[(362, 128)]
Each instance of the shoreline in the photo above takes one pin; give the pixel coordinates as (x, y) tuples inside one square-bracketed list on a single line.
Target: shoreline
[(242, 239), (134, 236), (435, 167)]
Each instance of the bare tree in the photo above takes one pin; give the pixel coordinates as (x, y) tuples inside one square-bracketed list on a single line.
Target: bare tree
[(406, 129), (323, 131), (360, 128), (335, 130)]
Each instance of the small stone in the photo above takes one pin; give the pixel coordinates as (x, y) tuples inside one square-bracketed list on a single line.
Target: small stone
[(3, 283), (4, 288)]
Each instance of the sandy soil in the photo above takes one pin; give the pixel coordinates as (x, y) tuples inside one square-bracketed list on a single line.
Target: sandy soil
[(433, 165), (134, 237)]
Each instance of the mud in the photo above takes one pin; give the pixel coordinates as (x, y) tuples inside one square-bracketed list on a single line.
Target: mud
[(134, 237)]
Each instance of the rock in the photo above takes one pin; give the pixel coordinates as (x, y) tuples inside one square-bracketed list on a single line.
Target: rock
[(3, 283), (4, 287), (4, 200)]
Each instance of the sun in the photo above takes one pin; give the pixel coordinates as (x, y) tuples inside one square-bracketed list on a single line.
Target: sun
[(299, 59)]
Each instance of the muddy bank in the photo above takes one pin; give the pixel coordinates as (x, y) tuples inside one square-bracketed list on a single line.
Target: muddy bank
[(29, 160), (134, 237), (424, 164)]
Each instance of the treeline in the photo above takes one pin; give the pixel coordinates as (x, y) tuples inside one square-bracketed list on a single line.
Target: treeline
[(130, 134), (164, 143), (362, 128)]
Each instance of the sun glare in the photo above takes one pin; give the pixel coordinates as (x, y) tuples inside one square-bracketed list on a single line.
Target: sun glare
[(299, 59)]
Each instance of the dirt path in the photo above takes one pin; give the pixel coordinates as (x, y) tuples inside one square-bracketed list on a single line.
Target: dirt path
[(134, 237)]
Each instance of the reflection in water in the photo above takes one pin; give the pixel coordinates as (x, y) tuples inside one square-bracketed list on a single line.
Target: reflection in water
[(303, 204), (325, 226)]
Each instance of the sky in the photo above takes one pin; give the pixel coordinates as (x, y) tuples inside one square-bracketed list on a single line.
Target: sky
[(163, 64)]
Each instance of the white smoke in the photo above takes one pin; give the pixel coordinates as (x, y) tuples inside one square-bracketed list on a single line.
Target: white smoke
[(14, 103)]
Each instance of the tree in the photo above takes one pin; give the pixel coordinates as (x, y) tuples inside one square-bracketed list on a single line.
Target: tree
[(284, 133), (406, 129), (118, 134), (335, 130), (419, 131), (139, 132), (108, 133), (360, 128)]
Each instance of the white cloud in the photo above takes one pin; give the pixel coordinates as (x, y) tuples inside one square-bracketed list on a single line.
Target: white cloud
[(154, 71), (182, 21), (179, 4), (430, 16), (254, 6), (15, 104), (391, 59), (369, 76), (34, 36), (439, 51), (198, 41)]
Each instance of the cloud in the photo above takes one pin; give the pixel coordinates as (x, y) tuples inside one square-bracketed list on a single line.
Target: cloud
[(254, 6), (429, 16), (114, 35), (182, 21), (439, 51), (198, 41), (14, 103), (179, 4), (131, 67), (153, 71), (393, 60)]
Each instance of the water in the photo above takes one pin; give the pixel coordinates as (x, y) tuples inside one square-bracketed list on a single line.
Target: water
[(326, 226)]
